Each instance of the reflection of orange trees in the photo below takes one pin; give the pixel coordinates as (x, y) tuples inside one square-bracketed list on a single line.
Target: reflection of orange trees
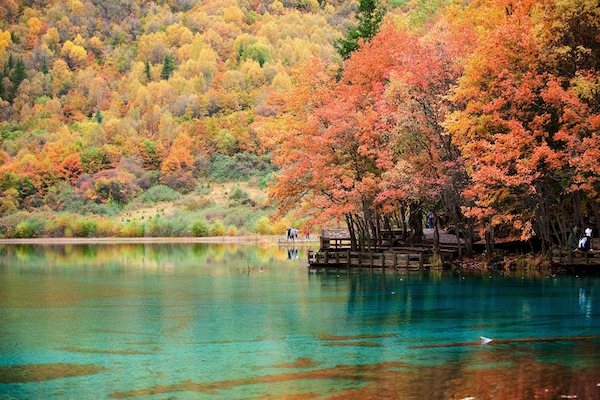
[(525, 378)]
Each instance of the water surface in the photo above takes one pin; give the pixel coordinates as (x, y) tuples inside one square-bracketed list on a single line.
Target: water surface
[(203, 321)]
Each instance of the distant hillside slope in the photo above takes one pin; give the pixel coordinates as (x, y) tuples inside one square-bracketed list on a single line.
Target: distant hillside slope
[(102, 100)]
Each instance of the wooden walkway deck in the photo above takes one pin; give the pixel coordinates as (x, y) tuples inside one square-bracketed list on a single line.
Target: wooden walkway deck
[(335, 253), (396, 259), (568, 257)]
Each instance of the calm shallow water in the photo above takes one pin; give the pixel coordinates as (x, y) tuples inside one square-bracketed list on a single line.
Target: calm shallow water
[(242, 321)]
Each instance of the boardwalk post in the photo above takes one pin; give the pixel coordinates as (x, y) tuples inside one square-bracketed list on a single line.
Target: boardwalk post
[(326, 257), (371, 258), (420, 260), (348, 258), (570, 256)]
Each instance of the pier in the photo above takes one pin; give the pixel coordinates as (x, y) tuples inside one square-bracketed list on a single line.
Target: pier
[(568, 257), (335, 252)]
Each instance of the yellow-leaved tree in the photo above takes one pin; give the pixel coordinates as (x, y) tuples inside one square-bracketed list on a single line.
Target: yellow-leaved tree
[(177, 170)]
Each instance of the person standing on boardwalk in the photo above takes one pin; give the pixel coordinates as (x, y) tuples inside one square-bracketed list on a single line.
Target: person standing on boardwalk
[(574, 236), (585, 243), (429, 220)]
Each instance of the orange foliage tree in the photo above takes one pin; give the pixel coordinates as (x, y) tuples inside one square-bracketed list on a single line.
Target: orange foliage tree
[(177, 170), (372, 143), (529, 139)]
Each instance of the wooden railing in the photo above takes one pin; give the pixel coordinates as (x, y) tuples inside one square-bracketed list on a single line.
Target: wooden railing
[(387, 259), (575, 257)]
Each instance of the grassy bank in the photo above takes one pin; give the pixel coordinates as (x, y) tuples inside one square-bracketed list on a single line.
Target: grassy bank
[(212, 210)]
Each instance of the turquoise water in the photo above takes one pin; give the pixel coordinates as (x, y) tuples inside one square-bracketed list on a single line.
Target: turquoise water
[(204, 321)]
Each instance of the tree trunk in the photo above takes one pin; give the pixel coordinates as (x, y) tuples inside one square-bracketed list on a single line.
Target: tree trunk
[(436, 236), (470, 236), (352, 231), (489, 240), (415, 221)]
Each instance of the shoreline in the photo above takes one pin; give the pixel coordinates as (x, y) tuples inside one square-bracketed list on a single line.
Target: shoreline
[(146, 240)]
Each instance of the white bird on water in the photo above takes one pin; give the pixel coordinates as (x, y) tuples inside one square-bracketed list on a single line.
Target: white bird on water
[(484, 340)]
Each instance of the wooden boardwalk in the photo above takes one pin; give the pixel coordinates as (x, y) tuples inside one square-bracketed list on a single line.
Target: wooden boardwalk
[(568, 257), (387, 253), (408, 259), (335, 252)]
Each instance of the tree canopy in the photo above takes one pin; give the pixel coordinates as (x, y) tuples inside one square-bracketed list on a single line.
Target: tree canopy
[(485, 122)]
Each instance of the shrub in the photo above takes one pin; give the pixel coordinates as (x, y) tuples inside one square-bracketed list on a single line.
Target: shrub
[(93, 160), (231, 230), (159, 193), (199, 228), (238, 195), (161, 227), (111, 208), (83, 227), (133, 229), (279, 227), (51, 229), (116, 185), (107, 228), (32, 227), (241, 166), (217, 229), (252, 223), (237, 217), (265, 181), (24, 230), (180, 225), (263, 226), (197, 204)]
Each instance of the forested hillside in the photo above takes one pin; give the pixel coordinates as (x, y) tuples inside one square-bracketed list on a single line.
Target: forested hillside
[(102, 101), (486, 113)]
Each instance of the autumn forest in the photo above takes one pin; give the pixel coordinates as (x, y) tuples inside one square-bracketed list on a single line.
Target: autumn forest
[(362, 113)]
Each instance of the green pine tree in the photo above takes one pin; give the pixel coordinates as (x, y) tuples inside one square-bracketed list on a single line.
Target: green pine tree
[(168, 67), (147, 71), (17, 75), (98, 116), (369, 15), (44, 68)]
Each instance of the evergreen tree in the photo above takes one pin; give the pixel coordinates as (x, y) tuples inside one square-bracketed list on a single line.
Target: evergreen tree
[(147, 71), (17, 75), (369, 15), (44, 68), (98, 116), (168, 67)]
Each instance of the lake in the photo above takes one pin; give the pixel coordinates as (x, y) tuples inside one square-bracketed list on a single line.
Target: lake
[(216, 321)]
